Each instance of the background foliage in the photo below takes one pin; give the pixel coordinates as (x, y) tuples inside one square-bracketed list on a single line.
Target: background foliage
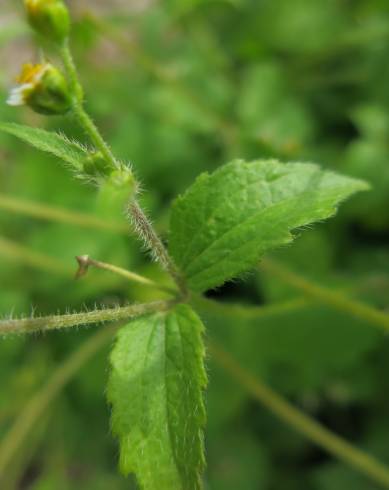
[(180, 87)]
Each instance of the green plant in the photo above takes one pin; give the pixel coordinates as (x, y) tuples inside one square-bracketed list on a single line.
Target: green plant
[(219, 229)]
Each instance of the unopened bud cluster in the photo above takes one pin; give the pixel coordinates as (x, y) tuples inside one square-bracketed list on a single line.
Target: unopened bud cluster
[(96, 165), (45, 89), (98, 169)]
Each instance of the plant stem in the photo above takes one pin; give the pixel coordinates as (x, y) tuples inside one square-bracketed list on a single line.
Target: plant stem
[(86, 122), (147, 233), (333, 298), (79, 112), (71, 71), (31, 258), (85, 262), (58, 215), (25, 256), (141, 224), (33, 411), (314, 431), (17, 468), (53, 322), (248, 312)]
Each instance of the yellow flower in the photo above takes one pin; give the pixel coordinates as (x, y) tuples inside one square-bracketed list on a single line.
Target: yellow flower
[(27, 80), (49, 18), (43, 88)]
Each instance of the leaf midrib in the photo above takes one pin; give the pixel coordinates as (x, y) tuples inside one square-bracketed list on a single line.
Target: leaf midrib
[(168, 422), (215, 211), (254, 215), (144, 370)]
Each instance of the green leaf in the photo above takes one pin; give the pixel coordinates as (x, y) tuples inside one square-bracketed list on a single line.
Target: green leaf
[(227, 220), (57, 144), (155, 389)]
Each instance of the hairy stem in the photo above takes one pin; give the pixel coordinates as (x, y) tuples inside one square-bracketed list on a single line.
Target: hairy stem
[(30, 325), (141, 224), (25, 256), (330, 442), (333, 298), (34, 410), (79, 112), (86, 122), (84, 262), (71, 71), (152, 241)]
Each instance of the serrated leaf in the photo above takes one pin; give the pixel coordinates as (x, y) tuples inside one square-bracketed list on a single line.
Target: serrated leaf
[(57, 144), (155, 389), (227, 220)]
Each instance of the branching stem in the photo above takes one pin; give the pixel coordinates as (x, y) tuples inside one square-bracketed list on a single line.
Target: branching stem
[(150, 237), (86, 122), (53, 322), (141, 224), (83, 118), (84, 262), (336, 299)]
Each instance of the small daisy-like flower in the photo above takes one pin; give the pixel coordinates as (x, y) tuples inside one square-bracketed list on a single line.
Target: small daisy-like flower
[(31, 5), (49, 18), (27, 80), (43, 88)]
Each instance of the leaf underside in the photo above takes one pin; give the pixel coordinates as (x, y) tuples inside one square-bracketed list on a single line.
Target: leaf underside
[(57, 144), (155, 389), (226, 221)]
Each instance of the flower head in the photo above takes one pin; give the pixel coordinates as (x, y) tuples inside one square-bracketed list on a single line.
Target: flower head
[(43, 88), (49, 18), (28, 78)]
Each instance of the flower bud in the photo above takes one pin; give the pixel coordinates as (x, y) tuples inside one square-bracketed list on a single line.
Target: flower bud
[(95, 165), (43, 88), (49, 18), (115, 191), (122, 178)]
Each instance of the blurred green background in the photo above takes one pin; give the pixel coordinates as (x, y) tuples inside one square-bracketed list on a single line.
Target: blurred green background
[(180, 87)]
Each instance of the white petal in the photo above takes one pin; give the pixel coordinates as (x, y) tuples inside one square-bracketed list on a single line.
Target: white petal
[(17, 95), (15, 98)]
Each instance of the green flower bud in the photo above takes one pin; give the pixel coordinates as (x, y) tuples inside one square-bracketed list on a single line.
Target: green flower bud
[(122, 179), (43, 88), (49, 18), (96, 165), (116, 191)]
